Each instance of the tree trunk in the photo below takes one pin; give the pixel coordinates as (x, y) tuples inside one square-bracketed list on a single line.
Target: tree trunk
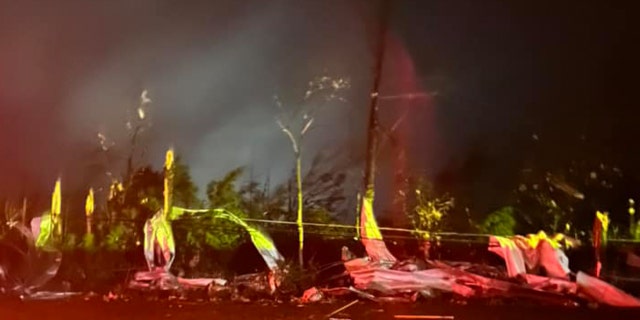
[(23, 213), (168, 183), (299, 219), (89, 230)]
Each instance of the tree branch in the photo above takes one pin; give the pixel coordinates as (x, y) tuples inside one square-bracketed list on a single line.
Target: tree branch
[(286, 130), (306, 127)]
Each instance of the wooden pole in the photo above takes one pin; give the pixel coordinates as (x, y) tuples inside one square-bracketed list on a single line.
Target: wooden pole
[(372, 131)]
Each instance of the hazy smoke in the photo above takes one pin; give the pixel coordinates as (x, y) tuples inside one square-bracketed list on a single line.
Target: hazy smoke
[(72, 69)]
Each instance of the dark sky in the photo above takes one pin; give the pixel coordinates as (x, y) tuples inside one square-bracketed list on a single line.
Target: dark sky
[(499, 71), (565, 71)]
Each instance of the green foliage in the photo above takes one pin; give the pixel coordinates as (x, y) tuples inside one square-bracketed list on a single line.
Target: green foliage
[(88, 242), (223, 194), (429, 209), (203, 229), (70, 242), (140, 198), (117, 238), (500, 222), (227, 235)]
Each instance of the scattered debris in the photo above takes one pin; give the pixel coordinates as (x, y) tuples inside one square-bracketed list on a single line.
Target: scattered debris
[(423, 317), (38, 261), (347, 306), (633, 260), (406, 281), (605, 293), (312, 295), (49, 295)]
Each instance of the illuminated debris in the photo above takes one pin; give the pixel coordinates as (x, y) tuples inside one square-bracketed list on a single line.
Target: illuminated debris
[(260, 240), (523, 254), (36, 265), (115, 188), (605, 293), (599, 234), (159, 239), (168, 182), (49, 295), (370, 233), (159, 246), (312, 295), (56, 204), (45, 232), (603, 220), (160, 279), (89, 204), (89, 207), (408, 280), (157, 279)]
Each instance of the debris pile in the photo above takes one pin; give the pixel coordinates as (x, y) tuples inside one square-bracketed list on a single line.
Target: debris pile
[(159, 252), (525, 258)]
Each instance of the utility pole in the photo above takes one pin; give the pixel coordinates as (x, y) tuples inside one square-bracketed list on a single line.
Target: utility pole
[(370, 233), (372, 131)]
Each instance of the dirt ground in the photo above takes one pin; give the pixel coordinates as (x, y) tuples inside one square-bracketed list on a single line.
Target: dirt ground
[(100, 310)]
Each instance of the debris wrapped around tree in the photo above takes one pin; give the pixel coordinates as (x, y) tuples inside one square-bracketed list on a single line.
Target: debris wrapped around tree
[(35, 263), (159, 251)]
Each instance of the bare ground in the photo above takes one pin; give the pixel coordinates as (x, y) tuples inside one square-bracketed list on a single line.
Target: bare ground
[(180, 310)]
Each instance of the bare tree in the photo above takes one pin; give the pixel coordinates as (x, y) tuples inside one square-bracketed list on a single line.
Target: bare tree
[(297, 122), (137, 122)]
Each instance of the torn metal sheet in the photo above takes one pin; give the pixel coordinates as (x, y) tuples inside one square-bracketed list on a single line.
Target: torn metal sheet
[(46, 232), (523, 254), (37, 264), (551, 284), (357, 264), (509, 251), (158, 279), (259, 238), (605, 293), (312, 294), (159, 246), (389, 282), (159, 250), (201, 282)]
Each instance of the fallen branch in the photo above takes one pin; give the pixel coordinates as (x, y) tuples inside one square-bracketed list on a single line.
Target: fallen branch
[(421, 317), (349, 305)]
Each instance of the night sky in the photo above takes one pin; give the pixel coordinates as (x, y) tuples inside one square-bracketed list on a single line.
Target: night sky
[(496, 73)]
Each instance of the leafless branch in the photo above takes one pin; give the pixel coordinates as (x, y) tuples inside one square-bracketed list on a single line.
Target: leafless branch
[(306, 127), (286, 130)]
